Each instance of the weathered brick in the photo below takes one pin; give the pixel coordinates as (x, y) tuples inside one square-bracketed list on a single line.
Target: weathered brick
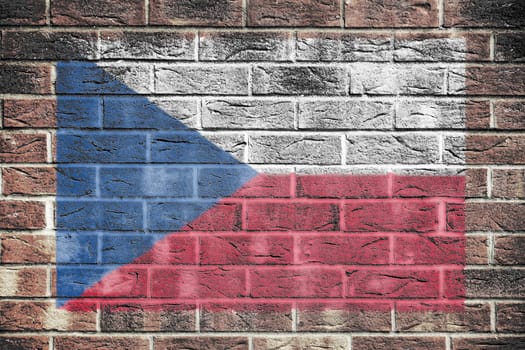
[(455, 216), (157, 45), (348, 115), (294, 13), (508, 250), (495, 216), (476, 182), (238, 317), (390, 149), (398, 343), (245, 46), (431, 186), (432, 47), (343, 317), (187, 80), (437, 114), (510, 114), (31, 181), (24, 342), (429, 250), (291, 149), (23, 79), (201, 343), (281, 80), (23, 148), (221, 217), (510, 317), (76, 181), (477, 114), (455, 150), (27, 248), (498, 342), (315, 46), (49, 45), (392, 79), (22, 215), (342, 186), (474, 318), (495, 283), (495, 149), (215, 13), (30, 113), (100, 342), (476, 251), (509, 47), (266, 186), (487, 80), (391, 13), (23, 282), (301, 342), (484, 13), (247, 114), (25, 12), (508, 183), (97, 12)]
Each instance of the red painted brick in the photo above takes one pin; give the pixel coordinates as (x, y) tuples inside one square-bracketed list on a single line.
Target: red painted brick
[(342, 186), (510, 115), (455, 217), (100, 342), (23, 282), (428, 186), (494, 216), (30, 181), (294, 13), (127, 281), (30, 113), (398, 343), (23, 12), (19, 249), (454, 287), (508, 250), (508, 183), (198, 282), (201, 343), (429, 250), (291, 216), (246, 249), (222, 217), (220, 13), (343, 249), (266, 186), (391, 13), (23, 79), (175, 249), (392, 215), (98, 12), (23, 148), (392, 283), (22, 215), (311, 282)]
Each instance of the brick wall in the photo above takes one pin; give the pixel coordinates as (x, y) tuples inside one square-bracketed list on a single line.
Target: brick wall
[(262, 174)]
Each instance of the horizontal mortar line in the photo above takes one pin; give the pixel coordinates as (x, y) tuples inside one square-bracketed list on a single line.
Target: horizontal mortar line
[(495, 200), (384, 168), (299, 234), (496, 234)]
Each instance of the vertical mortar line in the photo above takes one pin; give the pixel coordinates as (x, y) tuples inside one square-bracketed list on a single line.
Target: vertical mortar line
[(250, 82), (492, 116), (441, 13), (295, 113), (196, 44), (349, 337), (98, 54), (97, 181), (493, 317), (48, 15), (250, 342), (98, 318), (146, 11), (342, 12), (247, 150), (293, 46), (489, 182), (448, 345), (51, 343), (344, 151), (151, 342), (49, 214), (491, 244), (244, 13), (49, 145), (393, 319), (441, 147), (197, 317), (294, 317), (492, 47)]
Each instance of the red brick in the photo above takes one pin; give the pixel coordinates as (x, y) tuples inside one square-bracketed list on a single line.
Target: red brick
[(510, 115), (174, 249), (428, 186), (343, 249), (23, 12), (30, 181), (284, 216), (398, 343), (495, 149), (23, 79), (392, 283), (489, 80), (268, 186), (30, 113), (484, 13), (294, 13), (222, 217), (477, 114), (100, 343), (454, 287), (476, 252), (22, 215), (455, 217), (246, 249), (198, 282), (23, 282), (396, 215), (24, 342), (391, 13), (508, 250), (476, 183), (219, 13), (27, 249), (497, 342), (98, 12), (342, 186), (312, 282), (495, 216), (510, 317), (201, 343), (23, 148), (508, 183), (428, 250)]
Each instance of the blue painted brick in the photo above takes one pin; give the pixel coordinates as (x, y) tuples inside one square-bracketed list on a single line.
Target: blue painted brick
[(147, 181), (222, 182), (91, 147), (75, 279), (95, 215), (76, 247), (137, 113), (79, 112), (124, 248), (187, 148), (76, 181), (173, 216)]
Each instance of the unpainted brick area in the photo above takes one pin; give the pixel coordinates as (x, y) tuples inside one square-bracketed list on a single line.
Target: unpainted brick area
[(412, 112)]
